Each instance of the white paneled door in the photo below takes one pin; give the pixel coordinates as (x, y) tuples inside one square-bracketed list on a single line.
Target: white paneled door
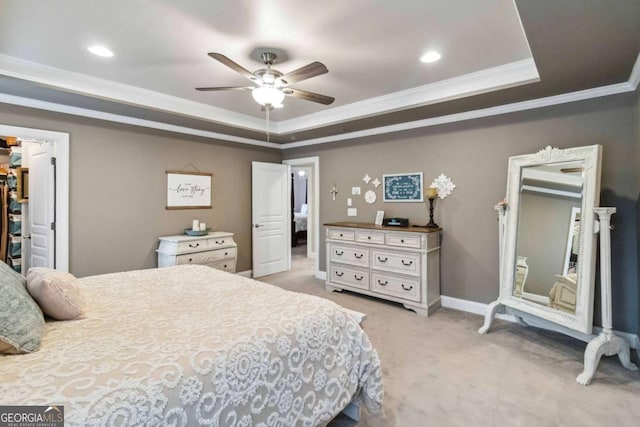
[(40, 252), (271, 217)]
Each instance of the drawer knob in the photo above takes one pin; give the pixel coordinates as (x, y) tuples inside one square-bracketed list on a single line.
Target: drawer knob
[(226, 253), (219, 242), (386, 282), (225, 266), (341, 235), (406, 264), (401, 240), (194, 246), (406, 288), (339, 274), (358, 278), (339, 253), (383, 260), (190, 259), (369, 237), (358, 257)]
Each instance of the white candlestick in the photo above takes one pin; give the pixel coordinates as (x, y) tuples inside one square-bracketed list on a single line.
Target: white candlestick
[(196, 225), (203, 226)]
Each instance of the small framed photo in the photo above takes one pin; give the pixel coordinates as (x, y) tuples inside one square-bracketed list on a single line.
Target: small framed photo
[(379, 217)]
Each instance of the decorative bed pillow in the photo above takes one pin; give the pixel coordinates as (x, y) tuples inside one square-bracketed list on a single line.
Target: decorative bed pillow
[(57, 293), (21, 321)]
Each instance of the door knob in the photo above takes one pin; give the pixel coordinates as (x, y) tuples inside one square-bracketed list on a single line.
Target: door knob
[(257, 225), (28, 236)]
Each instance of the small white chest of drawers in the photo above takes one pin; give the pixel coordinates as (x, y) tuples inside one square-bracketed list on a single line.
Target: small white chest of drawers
[(396, 264), (216, 249)]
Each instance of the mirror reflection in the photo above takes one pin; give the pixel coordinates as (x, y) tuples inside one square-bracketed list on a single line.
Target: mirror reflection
[(548, 234)]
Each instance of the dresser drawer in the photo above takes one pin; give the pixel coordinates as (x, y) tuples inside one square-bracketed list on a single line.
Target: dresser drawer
[(349, 276), (400, 287), (398, 262), (370, 237), (350, 255), (403, 240), (193, 246), (219, 242), (227, 265), (206, 257), (337, 234)]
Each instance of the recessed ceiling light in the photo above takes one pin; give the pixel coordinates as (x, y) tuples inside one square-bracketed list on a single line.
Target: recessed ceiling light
[(100, 51), (431, 56)]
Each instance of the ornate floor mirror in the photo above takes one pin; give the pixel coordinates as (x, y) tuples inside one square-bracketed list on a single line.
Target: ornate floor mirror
[(548, 229)]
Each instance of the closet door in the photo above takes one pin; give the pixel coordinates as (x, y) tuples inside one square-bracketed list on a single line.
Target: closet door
[(40, 252)]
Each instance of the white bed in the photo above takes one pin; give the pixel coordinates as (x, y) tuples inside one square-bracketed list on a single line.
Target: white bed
[(190, 345), (300, 220)]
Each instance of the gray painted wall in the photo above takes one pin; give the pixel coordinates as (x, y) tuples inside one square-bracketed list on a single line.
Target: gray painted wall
[(118, 188), (474, 154)]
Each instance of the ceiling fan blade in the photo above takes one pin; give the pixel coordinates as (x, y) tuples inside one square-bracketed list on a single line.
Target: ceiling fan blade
[(304, 73), (233, 65), (206, 89), (308, 96)]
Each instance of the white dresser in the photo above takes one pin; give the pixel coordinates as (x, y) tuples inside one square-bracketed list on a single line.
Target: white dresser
[(393, 263), (217, 250)]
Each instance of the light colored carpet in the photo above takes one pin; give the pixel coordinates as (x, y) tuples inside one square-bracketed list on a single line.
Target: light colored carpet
[(439, 371)]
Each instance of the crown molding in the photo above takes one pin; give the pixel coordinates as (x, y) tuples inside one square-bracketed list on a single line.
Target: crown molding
[(119, 92), (84, 112), (469, 115), (628, 86), (501, 77), (491, 79), (634, 78)]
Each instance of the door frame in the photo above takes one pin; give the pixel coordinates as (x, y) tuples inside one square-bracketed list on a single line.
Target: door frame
[(314, 163), (60, 141)]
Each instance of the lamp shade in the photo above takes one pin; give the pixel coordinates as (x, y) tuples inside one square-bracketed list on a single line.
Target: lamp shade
[(267, 95)]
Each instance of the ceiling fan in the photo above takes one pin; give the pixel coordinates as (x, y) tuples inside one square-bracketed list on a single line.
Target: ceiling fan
[(271, 86)]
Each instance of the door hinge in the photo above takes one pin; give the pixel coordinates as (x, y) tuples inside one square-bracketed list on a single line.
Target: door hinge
[(53, 226), (53, 161)]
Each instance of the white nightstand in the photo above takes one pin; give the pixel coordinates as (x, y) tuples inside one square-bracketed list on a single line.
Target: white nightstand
[(216, 249)]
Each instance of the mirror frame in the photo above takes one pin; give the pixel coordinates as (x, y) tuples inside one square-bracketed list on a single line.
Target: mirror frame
[(582, 319)]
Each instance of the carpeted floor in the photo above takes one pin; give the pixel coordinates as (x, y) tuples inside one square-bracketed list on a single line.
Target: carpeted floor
[(439, 371)]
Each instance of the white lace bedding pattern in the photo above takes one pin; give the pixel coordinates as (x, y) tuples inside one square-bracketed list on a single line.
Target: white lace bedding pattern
[(190, 345), (300, 220)]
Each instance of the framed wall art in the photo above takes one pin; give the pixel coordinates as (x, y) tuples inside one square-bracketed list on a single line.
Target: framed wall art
[(188, 190), (402, 187)]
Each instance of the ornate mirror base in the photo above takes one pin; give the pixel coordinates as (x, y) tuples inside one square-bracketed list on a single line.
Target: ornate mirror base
[(605, 344)]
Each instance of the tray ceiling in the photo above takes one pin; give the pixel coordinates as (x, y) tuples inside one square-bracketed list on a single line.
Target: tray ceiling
[(493, 52)]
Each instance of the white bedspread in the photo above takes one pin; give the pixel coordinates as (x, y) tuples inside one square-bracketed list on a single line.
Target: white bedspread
[(190, 345), (300, 220)]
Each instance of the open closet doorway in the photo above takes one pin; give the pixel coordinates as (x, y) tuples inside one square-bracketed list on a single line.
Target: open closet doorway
[(305, 213), (37, 223)]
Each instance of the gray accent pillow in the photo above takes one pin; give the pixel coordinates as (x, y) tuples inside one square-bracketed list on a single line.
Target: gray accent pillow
[(21, 321)]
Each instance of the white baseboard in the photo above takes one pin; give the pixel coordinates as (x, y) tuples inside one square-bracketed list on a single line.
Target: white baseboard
[(471, 307), (480, 308), (246, 273), (322, 275)]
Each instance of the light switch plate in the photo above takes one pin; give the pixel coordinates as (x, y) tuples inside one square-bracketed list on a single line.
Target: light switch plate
[(355, 191), (352, 212), (349, 202)]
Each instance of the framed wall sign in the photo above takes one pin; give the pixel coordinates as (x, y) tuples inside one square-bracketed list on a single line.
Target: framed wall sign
[(402, 187), (188, 190), (22, 184)]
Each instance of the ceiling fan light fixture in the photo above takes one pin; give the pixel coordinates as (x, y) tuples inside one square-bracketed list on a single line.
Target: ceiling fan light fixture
[(268, 95)]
